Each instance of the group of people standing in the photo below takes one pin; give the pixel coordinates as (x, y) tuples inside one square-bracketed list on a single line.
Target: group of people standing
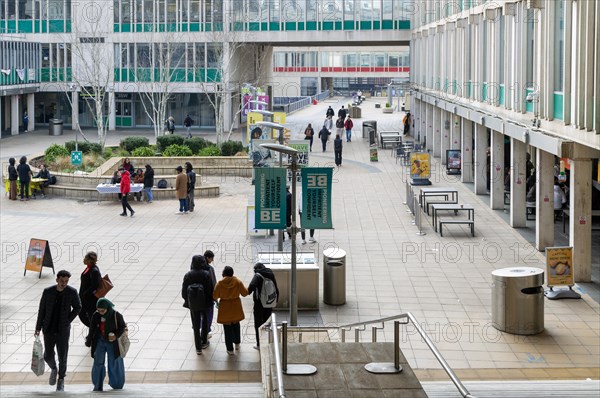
[(185, 183), (59, 305), (201, 293), (23, 174)]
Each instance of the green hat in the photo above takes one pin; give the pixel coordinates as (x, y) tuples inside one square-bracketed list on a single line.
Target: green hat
[(104, 303)]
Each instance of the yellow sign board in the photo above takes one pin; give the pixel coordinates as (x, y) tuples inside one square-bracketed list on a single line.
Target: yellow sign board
[(251, 127), (559, 264), (419, 165), (38, 256)]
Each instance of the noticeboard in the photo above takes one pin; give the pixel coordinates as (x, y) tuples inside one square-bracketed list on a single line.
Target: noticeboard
[(38, 256), (559, 266), (453, 161), (420, 166)]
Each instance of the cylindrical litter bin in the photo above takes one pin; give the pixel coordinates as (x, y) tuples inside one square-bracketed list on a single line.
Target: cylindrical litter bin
[(367, 125), (518, 300), (55, 127), (334, 276)]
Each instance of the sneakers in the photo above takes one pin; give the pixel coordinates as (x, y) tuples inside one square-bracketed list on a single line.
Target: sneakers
[(132, 213), (303, 242), (179, 212), (237, 346), (256, 347), (53, 374), (185, 212), (60, 386), (205, 345), (198, 352), (209, 335), (123, 214), (312, 240), (229, 352)]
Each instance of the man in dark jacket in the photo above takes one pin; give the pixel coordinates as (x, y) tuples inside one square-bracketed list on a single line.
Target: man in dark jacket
[(191, 175), (324, 136), (342, 113), (337, 149), (261, 314), (59, 305), (149, 182), (199, 274), (330, 112)]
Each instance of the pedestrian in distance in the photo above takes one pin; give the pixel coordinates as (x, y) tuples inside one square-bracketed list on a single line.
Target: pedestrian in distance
[(210, 258), (197, 292), (339, 126), (324, 136), (328, 123), (138, 178), (348, 125), (59, 306), (191, 185), (25, 175), (309, 133), (90, 281), (12, 178), (181, 183), (337, 150), (288, 211), (25, 121), (228, 292), (342, 113), (406, 123), (330, 112), (262, 310), (106, 326), (188, 125), (170, 125), (149, 183), (125, 188)]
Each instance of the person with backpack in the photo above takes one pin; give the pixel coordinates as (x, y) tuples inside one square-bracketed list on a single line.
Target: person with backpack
[(210, 258), (191, 176), (228, 290), (324, 136), (348, 125), (330, 112), (149, 183), (339, 126), (188, 125), (265, 294), (342, 113), (197, 292), (309, 133), (25, 174), (12, 177), (170, 124)]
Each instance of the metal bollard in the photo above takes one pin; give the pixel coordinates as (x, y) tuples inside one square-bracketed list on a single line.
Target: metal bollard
[(284, 346), (374, 334), (418, 216)]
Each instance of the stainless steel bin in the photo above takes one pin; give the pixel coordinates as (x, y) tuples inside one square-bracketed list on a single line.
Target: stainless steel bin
[(334, 276), (518, 300), (368, 125), (55, 127)]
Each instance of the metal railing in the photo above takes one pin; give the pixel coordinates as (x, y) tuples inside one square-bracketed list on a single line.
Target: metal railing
[(358, 327), (293, 104), (321, 96), (278, 367)]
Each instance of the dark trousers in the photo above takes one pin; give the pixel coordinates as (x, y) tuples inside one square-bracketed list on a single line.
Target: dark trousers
[(324, 144), (232, 335), (338, 158), (24, 188), (13, 190), (200, 326), (125, 204), (61, 341), (310, 143), (261, 315)]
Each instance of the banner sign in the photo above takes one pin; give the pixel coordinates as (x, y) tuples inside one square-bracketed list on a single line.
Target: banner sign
[(270, 198), (316, 197), (252, 130), (38, 256), (262, 157), (302, 146), (419, 166), (559, 266), (453, 161)]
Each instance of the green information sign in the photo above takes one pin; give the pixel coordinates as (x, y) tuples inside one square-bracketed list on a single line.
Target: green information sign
[(270, 198), (316, 198), (76, 158)]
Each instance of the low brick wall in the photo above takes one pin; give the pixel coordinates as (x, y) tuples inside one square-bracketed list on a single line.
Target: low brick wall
[(90, 194)]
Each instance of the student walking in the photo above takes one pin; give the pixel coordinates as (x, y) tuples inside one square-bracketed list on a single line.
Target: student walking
[(125, 188), (181, 183), (90, 282), (170, 125), (106, 326), (188, 125), (210, 258), (348, 125), (12, 178), (324, 136), (25, 121), (191, 185), (59, 306), (25, 174), (339, 126), (138, 178), (149, 183), (228, 290), (337, 150), (309, 133), (197, 292), (256, 286)]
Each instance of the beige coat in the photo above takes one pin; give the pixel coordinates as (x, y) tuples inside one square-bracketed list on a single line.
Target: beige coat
[(181, 186)]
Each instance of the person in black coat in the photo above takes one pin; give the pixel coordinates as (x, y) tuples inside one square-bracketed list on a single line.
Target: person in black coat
[(149, 182), (337, 149), (44, 173), (25, 174), (330, 112), (106, 326), (12, 177), (59, 306), (324, 136), (200, 274), (261, 314), (90, 282)]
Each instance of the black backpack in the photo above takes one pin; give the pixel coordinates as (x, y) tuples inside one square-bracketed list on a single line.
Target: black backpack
[(162, 184), (196, 297)]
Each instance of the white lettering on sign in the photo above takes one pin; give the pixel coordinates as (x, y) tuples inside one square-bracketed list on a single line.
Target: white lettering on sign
[(270, 216), (317, 181)]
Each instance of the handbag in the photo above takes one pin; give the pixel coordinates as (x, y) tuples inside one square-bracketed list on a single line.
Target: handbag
[(123, 341), (105, 286), (37, 357)]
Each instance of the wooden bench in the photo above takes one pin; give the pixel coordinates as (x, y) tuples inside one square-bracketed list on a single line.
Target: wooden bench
[(464, 221)]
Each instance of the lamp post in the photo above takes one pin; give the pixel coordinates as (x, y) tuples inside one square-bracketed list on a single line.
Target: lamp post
[(293, 230), (280, 128)]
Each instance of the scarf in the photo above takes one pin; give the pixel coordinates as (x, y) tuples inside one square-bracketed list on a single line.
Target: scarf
[(110, 324)]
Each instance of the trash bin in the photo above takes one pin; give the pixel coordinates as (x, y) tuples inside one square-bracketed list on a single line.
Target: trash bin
[(56, 127), (356, 112), (368, 124), (334, 276), (518, 300), (372, 137)]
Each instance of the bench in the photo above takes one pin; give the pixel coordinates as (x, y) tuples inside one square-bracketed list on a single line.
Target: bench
[(439, 202), (464, 221), (89, 193)]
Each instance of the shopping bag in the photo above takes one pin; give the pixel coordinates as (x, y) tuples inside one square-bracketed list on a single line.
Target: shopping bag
[(38, 366), (105, 286)]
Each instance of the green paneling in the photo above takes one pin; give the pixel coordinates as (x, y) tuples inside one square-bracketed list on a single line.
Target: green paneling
[(528, 105), (501, 97), (290, 26), (207, 27), (484, 92), (300, 25), (349, 25), (126, 27), (328, 25), (200, 75), (264, 26), (404, 25), (377, 25), (387, 24), (558, 106), (117, 74), (2, 26), (45, 74), (238, 26), (195, 27), (311, 25), (171, 27), (124, 121), (12, 26), (212, 75), (148, 27), (366, 25), (116, 27), (26, 26), (274, 26), (177, 75), (57, 26), (254, 26)]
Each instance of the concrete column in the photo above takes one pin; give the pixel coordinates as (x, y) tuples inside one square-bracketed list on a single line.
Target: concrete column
[(112, 116), (466, 150), (414, 110), (481, 159), (14, 115), (445, 139), (430, 126), (496, 171), (544, 204), (423, 117), (75, 110), (437, 131), (31, 111), (455, 133), (517, 183), (580, 220)]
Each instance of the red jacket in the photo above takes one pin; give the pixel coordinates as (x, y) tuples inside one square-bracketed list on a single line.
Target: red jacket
[(125, 182), (348, 125)]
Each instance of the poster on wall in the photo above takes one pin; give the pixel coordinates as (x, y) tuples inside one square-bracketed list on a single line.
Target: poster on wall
[(420, 170), (453, 161), (261, 156)]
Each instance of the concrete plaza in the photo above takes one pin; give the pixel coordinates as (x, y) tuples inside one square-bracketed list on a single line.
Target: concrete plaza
[(444, 281)]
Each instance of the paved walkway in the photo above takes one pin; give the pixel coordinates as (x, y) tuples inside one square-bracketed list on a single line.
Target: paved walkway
[(445, 282)]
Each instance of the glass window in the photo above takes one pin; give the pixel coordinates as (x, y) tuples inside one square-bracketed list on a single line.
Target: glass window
[(130, 56), (189, 55), (530, 47), (200, 56), (213, 54), (501, 48), (274, 10), (311, 10), (365, 60), (171, 10), (177, 51), (45, 55), (388, 8), (195, 11), (559, 42), (143, 55), (25, 9), (126, 11), (393, 60), (55, 9), (148, 16)]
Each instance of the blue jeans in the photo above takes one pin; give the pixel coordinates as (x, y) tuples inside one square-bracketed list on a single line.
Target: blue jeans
[(148, 191), (183, 205), (348, 135), (116, 368)]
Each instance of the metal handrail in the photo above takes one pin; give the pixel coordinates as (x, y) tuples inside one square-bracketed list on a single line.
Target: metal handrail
[(278, 368), (410, 317)]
